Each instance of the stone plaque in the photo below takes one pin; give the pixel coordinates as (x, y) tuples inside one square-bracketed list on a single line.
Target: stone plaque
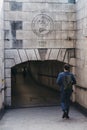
[(42, 25)]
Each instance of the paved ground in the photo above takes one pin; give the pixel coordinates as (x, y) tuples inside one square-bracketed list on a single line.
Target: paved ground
[(42, 118)]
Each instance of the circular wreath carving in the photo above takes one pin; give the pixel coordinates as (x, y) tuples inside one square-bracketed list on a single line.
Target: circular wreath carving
[(42, 25)]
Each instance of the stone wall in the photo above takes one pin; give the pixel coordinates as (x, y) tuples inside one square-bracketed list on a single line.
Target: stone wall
[(1, 56), (81, 52), (37, 30), (44, 30)]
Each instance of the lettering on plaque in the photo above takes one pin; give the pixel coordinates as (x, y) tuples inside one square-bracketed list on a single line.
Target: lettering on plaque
[(42, 43)]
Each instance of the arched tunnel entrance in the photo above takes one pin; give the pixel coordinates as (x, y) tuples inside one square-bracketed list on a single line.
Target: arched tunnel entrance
[(34, 83)]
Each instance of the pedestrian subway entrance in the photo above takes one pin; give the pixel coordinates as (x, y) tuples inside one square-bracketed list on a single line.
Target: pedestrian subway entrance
[(34, 83)]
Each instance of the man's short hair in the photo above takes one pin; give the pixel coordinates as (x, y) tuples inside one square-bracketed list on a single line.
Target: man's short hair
[(67, 67)]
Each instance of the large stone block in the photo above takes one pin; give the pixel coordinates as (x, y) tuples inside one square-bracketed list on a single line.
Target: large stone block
[(17, 44), (1, 47), (53, 54), (31, 54), (68, 7), (35, 7), (74, 69), (8, 73), (13, 57), (57, 1), (15, 6), (85, 32), (48, 44), (84, 23), (13, 16), (46, 6), (58, 35), (1, 22), (7, 25), (8, 101), (72, 61), (27, 26), (9, 63), (68, 25), (62, 55), (29, 16), (31, 35), (23, 55), (9, 54), (64, 35), (81, 97), (79, 5), (8, 92), (1, 35), (7, 6), (71, 16), (0, 100), (8, 82), (57, 26), (71, 35)]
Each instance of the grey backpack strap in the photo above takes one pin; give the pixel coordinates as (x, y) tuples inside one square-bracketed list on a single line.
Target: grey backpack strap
[(67, 82)]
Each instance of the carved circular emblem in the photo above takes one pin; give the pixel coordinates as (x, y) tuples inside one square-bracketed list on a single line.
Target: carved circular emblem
[(42, 24)]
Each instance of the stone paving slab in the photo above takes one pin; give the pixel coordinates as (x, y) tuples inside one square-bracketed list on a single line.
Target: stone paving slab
[(42, 118)]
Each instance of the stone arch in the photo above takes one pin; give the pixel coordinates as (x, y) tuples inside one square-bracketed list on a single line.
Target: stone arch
[(14, 57)]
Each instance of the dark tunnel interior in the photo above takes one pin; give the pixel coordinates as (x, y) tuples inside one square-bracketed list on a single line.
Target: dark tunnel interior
[(34, 83)]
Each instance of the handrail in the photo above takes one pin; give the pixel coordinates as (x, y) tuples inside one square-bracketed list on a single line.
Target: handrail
[(80, 87)]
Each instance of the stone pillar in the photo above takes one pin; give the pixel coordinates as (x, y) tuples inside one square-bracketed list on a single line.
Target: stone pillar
[(1, 56), (81, 53)]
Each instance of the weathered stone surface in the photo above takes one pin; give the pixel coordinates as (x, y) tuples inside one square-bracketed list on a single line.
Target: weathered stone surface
[(8, 92), (1, 53), (16, 25), (9, 63), (8, 73), (1, 35), (17, 44), (8, 82), (53, 54), (23, 55), (7, 6), (49, 7), (81, 97), (58, 1), (69, 25), (16, 6), (6, 35), (8, 101), (28, 16), (7, 25), (33, 26), (31, 54), (42, 53), (48, 44)]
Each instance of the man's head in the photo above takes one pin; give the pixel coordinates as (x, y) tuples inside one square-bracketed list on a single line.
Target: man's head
[(66, 67)]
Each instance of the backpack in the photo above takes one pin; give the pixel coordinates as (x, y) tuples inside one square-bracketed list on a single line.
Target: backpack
[(67, 82)]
